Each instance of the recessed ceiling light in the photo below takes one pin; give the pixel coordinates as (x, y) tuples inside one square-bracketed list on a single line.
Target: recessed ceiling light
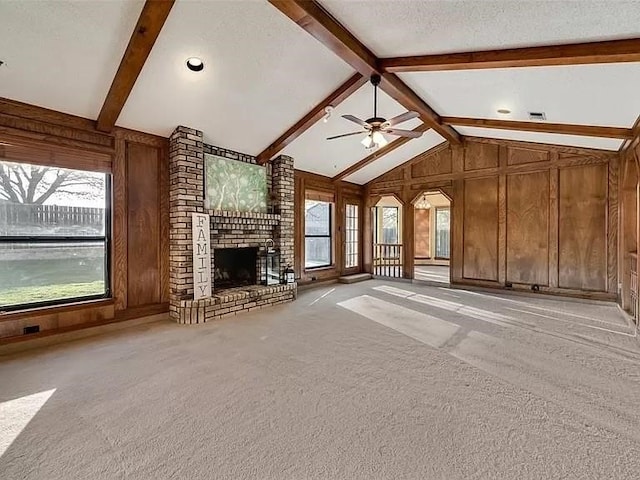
[(504, 111), (195, 64)]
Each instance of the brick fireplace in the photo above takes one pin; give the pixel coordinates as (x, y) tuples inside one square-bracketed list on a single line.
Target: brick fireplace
[(238, 239)]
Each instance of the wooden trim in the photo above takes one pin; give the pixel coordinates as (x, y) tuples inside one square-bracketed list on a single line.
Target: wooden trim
[(612, 226), (310, 16), (522, 288), (592, 152), (502, 216), (615, 51), (41, 114), (141, 311), (152, 18), (119, 225), (334, 99), (635, 141), (545, 127), (37, 152), (400, 92), (554, 232), (67, 307), (411, 161), (320, 196), (388, 148), (55, 133)]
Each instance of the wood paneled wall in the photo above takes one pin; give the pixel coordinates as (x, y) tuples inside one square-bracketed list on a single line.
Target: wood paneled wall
[(342, 193), (139, 166), (523, 214)]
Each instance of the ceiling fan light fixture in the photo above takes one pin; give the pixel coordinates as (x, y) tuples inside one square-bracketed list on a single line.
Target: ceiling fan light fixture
[(367, 141), (379, 139)]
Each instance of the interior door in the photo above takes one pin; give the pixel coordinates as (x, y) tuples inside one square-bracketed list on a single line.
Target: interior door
[(352, 246)]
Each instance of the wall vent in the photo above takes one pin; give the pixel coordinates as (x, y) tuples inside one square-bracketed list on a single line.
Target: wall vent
[(31, 329), (537, 116)]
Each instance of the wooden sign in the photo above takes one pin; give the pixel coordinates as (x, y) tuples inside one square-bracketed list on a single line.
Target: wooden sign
[(201, 256)]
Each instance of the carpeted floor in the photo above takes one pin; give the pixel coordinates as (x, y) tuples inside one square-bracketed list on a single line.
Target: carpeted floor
[(375, 380)]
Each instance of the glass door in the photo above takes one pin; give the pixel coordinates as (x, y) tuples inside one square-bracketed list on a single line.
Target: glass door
[(351, 236)]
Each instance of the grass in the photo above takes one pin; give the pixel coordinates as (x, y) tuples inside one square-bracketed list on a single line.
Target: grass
[(20, 295)]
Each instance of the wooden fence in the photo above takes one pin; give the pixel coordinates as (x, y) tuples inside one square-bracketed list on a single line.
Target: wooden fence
[(24, 214)]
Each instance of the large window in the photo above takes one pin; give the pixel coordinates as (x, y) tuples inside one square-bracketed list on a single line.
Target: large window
[(351, 236), (54, 235), (442, 233), (317, 234)]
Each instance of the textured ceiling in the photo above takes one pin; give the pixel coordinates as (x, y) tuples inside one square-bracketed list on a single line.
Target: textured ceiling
[(262, 74), (63, 55), (312, 151), (397, 157), (536, 137), (579, 94), (412, 27)]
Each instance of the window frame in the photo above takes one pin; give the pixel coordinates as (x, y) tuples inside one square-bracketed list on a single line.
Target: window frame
[(79, 239), (356, 222), (330, 236), (437, 230)]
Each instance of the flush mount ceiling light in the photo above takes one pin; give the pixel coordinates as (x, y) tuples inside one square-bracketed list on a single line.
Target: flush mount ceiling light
[(504, 111), (195, 64)]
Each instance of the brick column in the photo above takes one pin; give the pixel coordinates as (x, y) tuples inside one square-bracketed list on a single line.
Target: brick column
[(282, 178), (186, 196)]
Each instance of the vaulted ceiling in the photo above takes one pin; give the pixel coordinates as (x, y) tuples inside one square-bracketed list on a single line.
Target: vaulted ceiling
[(269, 66)]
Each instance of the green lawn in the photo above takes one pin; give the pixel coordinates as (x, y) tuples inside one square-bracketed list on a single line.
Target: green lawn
[(15, 296)]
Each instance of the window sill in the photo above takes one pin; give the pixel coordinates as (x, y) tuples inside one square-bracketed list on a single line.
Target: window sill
[(52, 309), (319, 269)]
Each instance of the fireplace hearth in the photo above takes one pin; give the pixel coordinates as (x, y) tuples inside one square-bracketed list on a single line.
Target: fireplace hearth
[(234, 267)]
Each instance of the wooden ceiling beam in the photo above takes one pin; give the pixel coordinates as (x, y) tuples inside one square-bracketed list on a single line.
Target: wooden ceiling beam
[(542, 127), (327, 30), (323, 27), (614, 51), (334, 99), (388, 148), (152, 18)]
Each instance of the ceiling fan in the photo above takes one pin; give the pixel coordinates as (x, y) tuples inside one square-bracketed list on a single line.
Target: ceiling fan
[(375, 126)]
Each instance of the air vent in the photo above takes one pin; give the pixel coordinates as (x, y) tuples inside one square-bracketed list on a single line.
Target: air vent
[(31, 329), (537, 116)]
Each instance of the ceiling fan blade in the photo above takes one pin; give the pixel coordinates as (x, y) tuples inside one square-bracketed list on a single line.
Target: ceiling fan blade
[(346, 135), (400, 118), (403, 133), (356, 120)]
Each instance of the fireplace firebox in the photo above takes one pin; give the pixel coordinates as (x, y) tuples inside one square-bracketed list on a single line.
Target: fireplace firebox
[(234, 267)]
